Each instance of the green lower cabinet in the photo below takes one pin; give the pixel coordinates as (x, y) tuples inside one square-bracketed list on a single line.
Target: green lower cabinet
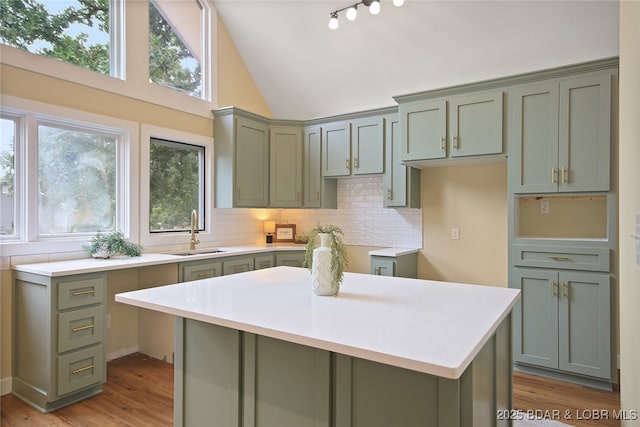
[(197, 270), (563, 322), (225, 377), (263, 261), (59, 351), (399, 266), (290, 259), (235, 265)]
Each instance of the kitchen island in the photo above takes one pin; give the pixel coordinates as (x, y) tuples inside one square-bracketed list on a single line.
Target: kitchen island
[(260, 349)]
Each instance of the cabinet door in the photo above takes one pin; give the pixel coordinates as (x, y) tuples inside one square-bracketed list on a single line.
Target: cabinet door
[(533, 159), (535, 317), (585, 323), (295, 259), (312, 167), (423, 131), (252, 163), (585, 132), (401, 183), (199, 270), (383, 266), (239, 265), (285, 168), (336, 149), (368, 145), (264, 261), (476, 124)]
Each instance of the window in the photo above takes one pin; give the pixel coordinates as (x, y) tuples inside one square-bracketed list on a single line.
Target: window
[(175, 45), (176, 185), (72, 31), (76, 180), (8, 132), (65, 174)]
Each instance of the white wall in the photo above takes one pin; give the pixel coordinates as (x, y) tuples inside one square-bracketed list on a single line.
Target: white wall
[(629, 184)]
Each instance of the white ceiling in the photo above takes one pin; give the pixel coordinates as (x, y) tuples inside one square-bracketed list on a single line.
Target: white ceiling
[(304, 70)]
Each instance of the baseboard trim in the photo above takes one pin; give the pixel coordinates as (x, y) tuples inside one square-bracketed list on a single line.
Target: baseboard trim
[(122, 352), (6, 385)]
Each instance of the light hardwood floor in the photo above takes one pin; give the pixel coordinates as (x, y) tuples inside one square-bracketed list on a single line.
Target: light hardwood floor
[(139, 392)]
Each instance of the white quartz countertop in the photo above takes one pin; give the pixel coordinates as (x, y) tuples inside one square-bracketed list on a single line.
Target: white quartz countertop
[(90, 265), (393, 252), (427, 326)]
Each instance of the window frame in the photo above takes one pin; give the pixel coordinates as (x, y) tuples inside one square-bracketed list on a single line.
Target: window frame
[(27, 239), (173, 239), (131, 61)]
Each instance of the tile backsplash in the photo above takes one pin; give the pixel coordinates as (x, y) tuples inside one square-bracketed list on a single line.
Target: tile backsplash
[(360, 214)]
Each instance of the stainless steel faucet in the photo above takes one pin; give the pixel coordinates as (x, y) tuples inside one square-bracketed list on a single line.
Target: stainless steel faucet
[(194, 225)]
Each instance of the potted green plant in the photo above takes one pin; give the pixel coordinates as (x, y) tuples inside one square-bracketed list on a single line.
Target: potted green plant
[(327, 262), (104, 245)]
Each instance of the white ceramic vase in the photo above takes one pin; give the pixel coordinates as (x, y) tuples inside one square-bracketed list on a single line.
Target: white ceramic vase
[(321, 268)]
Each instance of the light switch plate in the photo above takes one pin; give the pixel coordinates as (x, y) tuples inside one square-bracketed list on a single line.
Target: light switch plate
[(544, 207), (455, 234)]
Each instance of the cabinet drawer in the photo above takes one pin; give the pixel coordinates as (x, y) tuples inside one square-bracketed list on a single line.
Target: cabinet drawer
[(291, 260), (79, 328), (81, 369), (201, 271), (591, 259), (265, 261), (85, 291), (237, 266)]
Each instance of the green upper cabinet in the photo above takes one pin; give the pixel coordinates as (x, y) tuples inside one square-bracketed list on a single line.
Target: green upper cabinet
[(560, 135), (353, 147), (401, 183), (286, 167), (317, 192), (423, 130), (458, 126), (475, 124), (241, 159), (367, 145), (336, 149)]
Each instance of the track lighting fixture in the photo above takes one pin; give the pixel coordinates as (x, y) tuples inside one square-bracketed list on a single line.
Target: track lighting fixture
[(352, 11)]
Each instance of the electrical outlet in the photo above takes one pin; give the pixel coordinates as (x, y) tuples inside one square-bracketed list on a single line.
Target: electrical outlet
[(5, 263), (108, 321), (455, 234), (544, 207)]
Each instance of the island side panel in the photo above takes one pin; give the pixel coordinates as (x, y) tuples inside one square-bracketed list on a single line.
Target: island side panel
[(207, 375)]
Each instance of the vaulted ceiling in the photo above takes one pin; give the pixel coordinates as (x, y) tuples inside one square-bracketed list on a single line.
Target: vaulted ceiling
[(304, 70)]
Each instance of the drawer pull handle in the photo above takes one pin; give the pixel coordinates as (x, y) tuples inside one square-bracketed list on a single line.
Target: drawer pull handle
[(82, 328), (554, 293), (559, 258), (553, 175), (203, 275), (565, 290), (79, 293), (443, 143), (565, 179), (77, 371)]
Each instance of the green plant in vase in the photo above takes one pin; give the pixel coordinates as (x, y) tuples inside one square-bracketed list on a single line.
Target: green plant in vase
[(104, 245), (338, 251)]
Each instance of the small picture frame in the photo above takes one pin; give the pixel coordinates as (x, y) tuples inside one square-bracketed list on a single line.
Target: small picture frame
[(285, 233)]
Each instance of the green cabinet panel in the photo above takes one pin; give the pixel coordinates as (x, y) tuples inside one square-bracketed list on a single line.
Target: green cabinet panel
[(423, 130), (460, 126), (336, 149), (263, 261), (237, 265), (563, 321), (368, 145), (475, 124), (252, 164), (405, 265), (197, 270), (291, 259), (285, 167), (241, 159), (402, 183), (318, 192), (58, 351), (560, 136)]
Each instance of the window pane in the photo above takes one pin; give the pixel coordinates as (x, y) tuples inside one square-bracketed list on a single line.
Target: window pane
[(72, 31), (177, 185), (7, 176), (76, 181), (175, 45)]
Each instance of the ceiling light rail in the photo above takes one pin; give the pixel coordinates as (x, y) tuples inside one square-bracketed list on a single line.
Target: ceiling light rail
[(352, 11)]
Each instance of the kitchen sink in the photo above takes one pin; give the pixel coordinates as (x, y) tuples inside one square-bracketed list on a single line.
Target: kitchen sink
[(198, 252)]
